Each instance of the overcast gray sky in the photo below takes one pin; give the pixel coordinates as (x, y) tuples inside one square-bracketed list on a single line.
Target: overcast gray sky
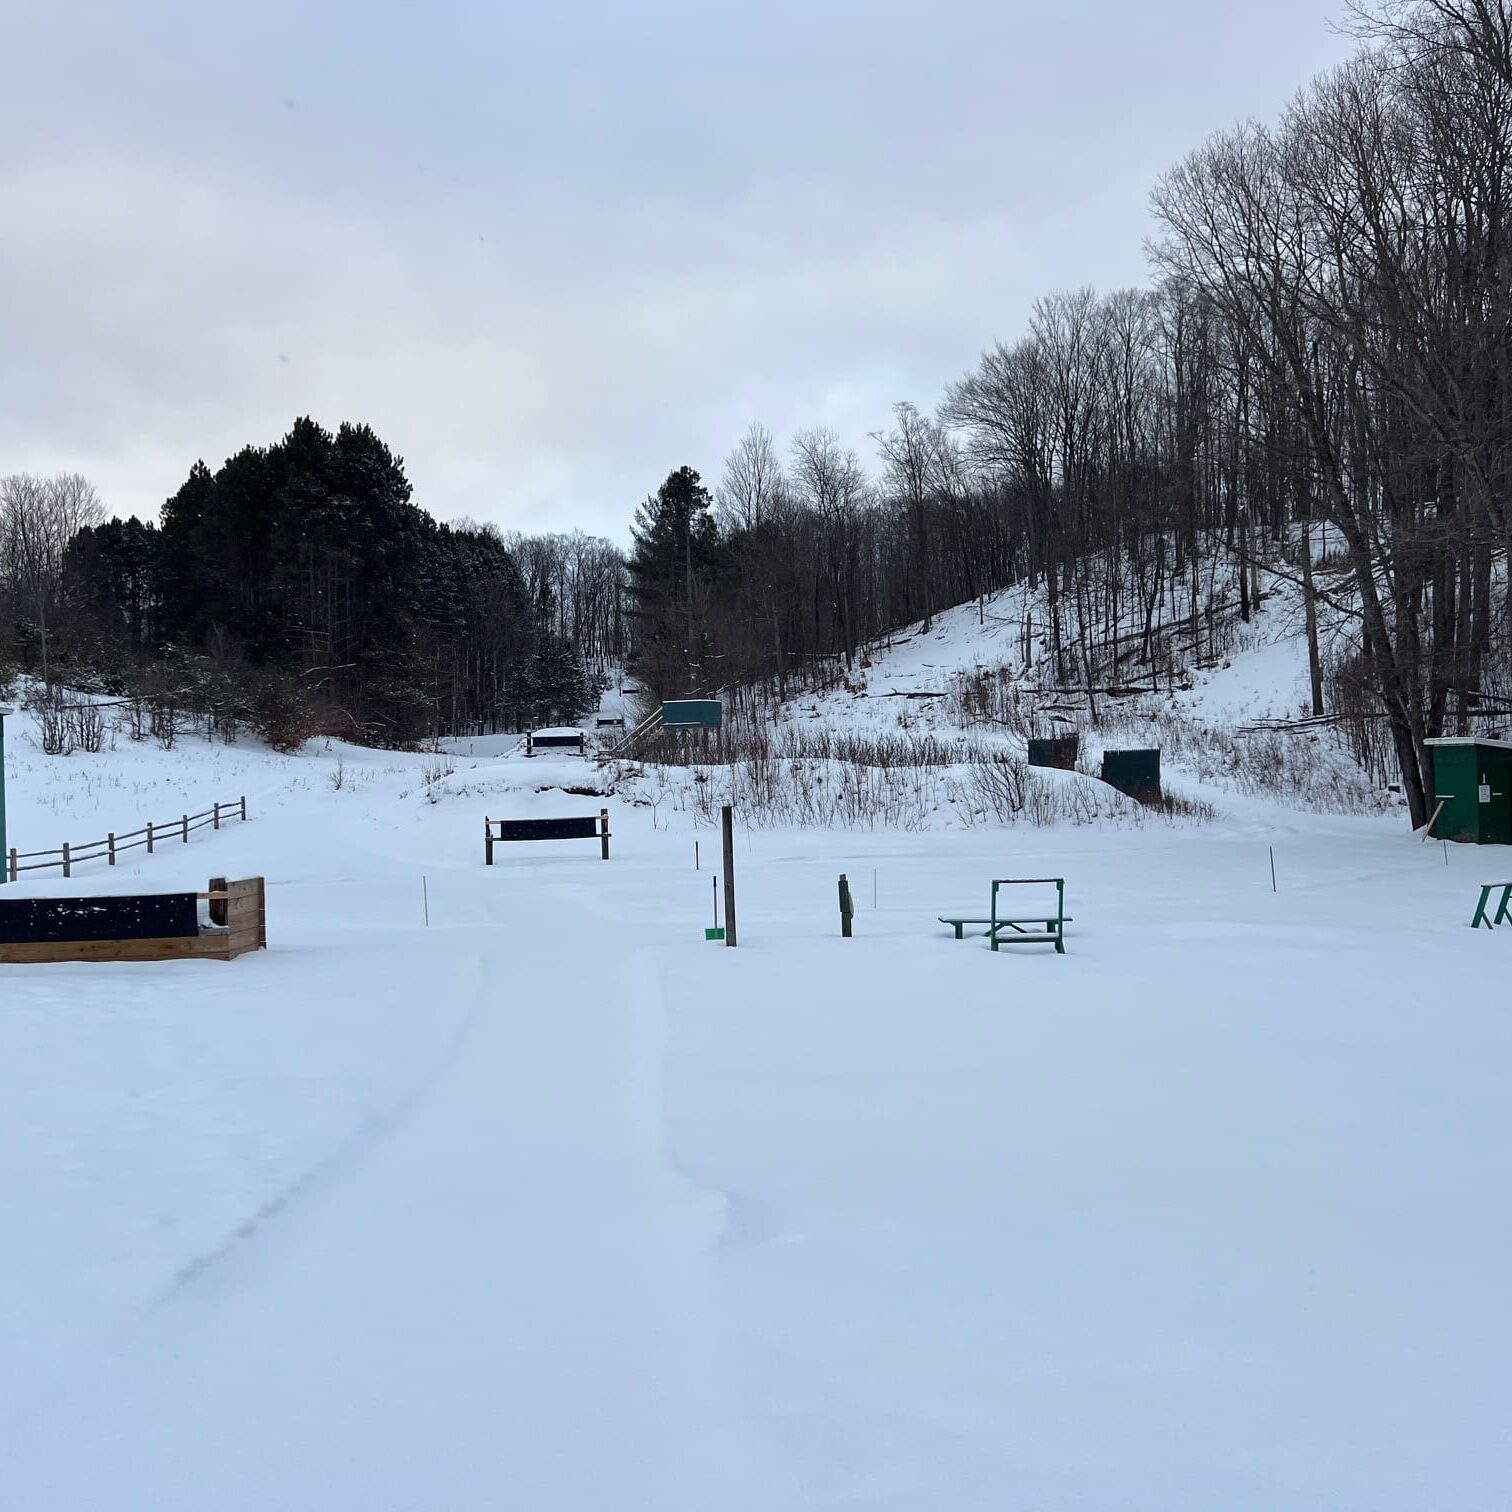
[(552, 251)]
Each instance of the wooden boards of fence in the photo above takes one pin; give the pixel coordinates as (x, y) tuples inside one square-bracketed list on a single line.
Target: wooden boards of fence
[(246, 927)]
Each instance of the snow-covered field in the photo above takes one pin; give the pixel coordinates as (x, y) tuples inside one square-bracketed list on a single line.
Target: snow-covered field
[(551, 1204)]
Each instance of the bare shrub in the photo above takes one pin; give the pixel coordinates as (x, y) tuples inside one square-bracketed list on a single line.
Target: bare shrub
[(997, 780), (54, 727), (279, 712), (87, 727), (163, 721)]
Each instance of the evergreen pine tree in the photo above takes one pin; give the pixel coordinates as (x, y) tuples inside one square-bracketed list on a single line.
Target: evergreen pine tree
[(675, 560)]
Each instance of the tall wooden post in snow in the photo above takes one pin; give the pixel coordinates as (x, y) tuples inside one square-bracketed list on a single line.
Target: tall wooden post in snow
[(4, 870), (727, 827)]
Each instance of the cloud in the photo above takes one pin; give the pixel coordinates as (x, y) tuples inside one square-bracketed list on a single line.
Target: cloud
[(550, 253)]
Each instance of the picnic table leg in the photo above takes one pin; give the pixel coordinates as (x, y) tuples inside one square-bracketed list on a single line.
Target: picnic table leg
[(1480, 910), (960, 929), (1504, 911)]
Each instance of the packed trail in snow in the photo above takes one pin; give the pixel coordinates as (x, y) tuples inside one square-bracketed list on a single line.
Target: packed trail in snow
[(502, 1187)]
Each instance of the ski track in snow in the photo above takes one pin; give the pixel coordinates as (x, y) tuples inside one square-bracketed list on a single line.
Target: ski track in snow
[(332, 1167), (551, 1206), (575, 1358)]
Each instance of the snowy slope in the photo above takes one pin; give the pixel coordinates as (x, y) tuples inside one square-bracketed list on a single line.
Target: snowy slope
[(550, 1204), (915, 685), (895, 678)]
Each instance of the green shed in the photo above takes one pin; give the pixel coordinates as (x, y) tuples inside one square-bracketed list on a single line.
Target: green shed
[(1472, 789)]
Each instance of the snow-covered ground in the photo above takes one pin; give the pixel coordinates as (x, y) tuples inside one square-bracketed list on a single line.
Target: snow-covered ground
[(550, 1204)]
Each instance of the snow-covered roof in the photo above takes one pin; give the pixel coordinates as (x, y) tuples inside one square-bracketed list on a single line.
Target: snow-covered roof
[(563, 730), (1470, 740)]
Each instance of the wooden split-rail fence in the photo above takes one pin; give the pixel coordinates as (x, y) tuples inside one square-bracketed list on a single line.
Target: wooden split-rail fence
[(66, 857)]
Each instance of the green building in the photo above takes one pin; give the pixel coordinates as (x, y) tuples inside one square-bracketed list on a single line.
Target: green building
[(1472, 789)]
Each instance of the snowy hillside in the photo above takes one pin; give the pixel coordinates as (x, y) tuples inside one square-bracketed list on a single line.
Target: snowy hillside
[(930, 730), (548, 1203)]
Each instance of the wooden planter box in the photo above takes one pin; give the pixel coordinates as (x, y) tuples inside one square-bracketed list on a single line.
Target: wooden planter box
[(135, 927)]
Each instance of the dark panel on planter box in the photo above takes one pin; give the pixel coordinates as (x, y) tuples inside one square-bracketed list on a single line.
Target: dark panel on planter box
[(149, 916)]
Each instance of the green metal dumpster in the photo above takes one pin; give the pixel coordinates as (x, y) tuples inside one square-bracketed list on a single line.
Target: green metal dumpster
[(1056, 751), (1471, 790), (1136, 773)]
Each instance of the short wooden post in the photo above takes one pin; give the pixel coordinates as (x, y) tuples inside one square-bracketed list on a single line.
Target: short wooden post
[(66, 871), (13, 869), (149, 837), (110, 842), (220, 908), (488, 842), (186, 829), (215, 823), (244, 808), (846, 908), (604, 833), (727, 827)]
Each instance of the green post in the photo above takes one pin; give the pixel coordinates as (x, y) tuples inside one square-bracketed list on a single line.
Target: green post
[(4, 853)]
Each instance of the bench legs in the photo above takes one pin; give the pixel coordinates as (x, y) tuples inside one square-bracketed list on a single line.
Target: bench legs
[(1503, 911)]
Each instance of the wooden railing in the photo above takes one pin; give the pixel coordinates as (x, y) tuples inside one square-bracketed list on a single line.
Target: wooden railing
[(626, 745), (112, 845)]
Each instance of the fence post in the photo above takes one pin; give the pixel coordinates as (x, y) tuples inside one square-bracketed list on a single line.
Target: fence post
[(66, 871), (244, 807), (110, 841), (487, 842), (727, 828), (220, 908), (149, 837), (847, 908), (215, 823), (604, 832), (13, 870), (186, 829)]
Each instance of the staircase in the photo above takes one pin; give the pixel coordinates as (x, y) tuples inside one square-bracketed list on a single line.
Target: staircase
[(624, 749)]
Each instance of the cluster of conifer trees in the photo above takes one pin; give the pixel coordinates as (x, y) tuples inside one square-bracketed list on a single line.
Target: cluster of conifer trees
[(297, 586)]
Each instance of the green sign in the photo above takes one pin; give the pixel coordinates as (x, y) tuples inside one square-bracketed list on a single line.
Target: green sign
[(693, 714)]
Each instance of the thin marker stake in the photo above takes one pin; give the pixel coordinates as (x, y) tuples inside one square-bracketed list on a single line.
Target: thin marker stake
[(1273, 867), (425, 897)]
